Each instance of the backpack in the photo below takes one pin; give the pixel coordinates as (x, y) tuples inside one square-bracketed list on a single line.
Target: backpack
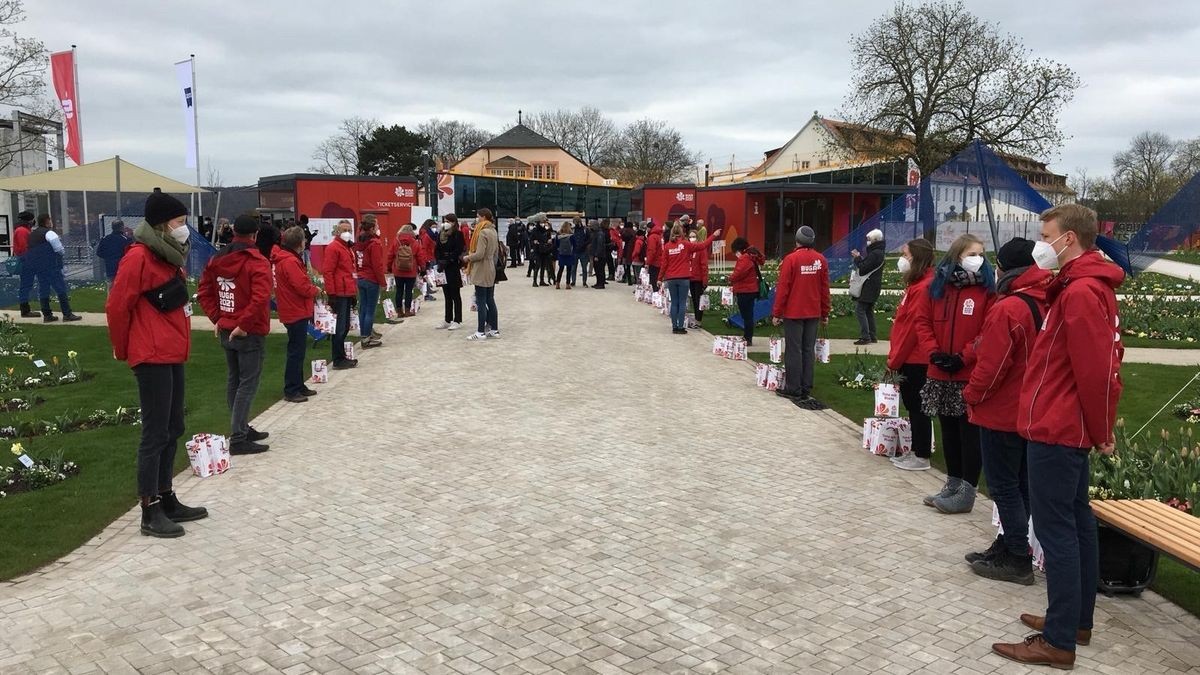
[(1033, 309), (405, 261)]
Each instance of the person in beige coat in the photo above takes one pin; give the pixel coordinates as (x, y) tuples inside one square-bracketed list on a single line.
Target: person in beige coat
[(481, 267)]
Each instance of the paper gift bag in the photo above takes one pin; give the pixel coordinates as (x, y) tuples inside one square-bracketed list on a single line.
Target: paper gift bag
[(704, 302), (774, 378), (208, 455), (656, 299), (323, 319), (776, 345), (473, 308), (720, 344), (644, 277), (320, 371), (355, 326), (737, 349), (760, 374), (887, 400), (821, 349), (1035, 546), (218, 450), (389, 308), (416, 305), (391, 283), (440, 279), (887, 436), (350, 350), (726, 296)]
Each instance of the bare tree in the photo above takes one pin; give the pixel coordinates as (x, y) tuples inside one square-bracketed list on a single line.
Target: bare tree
[(338, 154), (649, 151), (451, 140), (560, 126), (1142, 174), (214, 177), (934, 77), (1082, 184), (23, 63), (585, 133), (1186, 163)]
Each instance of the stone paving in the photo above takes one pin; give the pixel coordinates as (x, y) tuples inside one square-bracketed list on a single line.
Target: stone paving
[(590, 494)]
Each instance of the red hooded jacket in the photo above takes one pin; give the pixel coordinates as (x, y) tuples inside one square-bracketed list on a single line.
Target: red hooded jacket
[(20, 239), (803, 288), (1072, 383), (614, 235), (951, 323), (907, 344), (744, 279), (639, 250), (677, 257), (369, 262), (235, 288), (654, 243), (139, 332), (419, 259), (1001, 351), (699, 266), (337, 270), (294, 291)]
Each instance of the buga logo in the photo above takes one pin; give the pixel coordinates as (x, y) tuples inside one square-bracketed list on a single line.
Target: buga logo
[(68, 107), (814, 268), (682, 196), (225, 295), (358, 259), (402, 191)]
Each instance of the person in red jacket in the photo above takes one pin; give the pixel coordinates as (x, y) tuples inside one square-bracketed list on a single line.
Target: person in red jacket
[(235, 293), (337, 272), (909, 350), (959, 296), (407, 258), (744, 283), (371, 268), (429, 242), (295, 295), (1000, 354), (639, 255), (19, 248), (801, 300), (149, 325), (1068, 406), (677, 270), (654, 244), (616, 246), (698, 279)]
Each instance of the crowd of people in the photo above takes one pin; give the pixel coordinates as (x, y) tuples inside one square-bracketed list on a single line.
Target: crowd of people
[(40, 255)]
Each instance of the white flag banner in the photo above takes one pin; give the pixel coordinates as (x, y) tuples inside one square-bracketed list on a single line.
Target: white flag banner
[(187, 90)]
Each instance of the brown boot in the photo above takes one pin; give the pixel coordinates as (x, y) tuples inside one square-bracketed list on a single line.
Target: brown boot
[(1035, 651), (557, 286), (1082, 637)]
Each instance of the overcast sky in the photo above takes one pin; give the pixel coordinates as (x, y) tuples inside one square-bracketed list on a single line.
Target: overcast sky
[(276, 77)]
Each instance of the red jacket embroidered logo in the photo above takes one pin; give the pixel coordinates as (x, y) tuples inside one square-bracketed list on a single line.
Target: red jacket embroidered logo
[(225, 294), (814, 268)]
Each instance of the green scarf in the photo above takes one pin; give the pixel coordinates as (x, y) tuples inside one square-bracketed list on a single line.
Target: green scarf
[(163, 244)]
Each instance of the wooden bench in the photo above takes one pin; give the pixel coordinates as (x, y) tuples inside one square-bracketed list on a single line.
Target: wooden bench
[(1163, 528)]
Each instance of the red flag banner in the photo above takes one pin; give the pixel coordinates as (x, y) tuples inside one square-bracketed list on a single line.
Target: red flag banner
[(62, 69)]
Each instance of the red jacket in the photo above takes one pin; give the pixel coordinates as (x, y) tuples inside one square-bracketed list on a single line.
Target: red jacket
[(744, 279), (654, 242), (20, 240), (1072, 383), (639, 250), (138, 331), (803, 288), (614, 235), (337, 270), (699, 266), (907, 344), (368, 260), (1002, 350), (677, 257), (294, 291), (235, 288), (952, 323), (419, 259)]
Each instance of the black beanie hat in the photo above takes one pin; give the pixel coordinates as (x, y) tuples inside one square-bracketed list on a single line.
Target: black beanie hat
[(1015, 254), (161, 207), (244, 225), (25, 217)]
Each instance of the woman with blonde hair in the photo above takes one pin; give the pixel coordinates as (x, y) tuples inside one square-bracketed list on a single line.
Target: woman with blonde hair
[(481, 266), (677, 272)]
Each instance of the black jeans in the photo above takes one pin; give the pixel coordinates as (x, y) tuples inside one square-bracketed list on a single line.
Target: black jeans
[(799, 353), (745, 303), (293, 368), (697, 289), (160, 391), (514, 255), (960, 439), (918, 421), (452, 296), (545, 273), (865, 311), (653, 276), (341, 309), (1004, 466), (243, 361), (404, 293), (598, 269)]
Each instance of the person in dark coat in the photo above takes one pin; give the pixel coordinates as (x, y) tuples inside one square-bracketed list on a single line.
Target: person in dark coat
[(628, 236), (448, 252), (268, 238), (111, 249), (45, 259), (598, 243), (515, 242), (870, 267), (580, 239)]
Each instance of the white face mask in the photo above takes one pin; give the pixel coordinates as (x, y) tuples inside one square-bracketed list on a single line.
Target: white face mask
[(1044, 254), (181, 234), (903, 265), (691, 239), (972, 263), (346, 237)]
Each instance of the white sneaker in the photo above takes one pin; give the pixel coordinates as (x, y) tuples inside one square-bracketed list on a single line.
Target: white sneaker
[(911, 462), (493, 335), (443, 326), (477, 336), (453, 325)]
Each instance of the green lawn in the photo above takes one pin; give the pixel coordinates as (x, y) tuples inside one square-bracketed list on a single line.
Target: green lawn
[(41, 526), (1147, 388)]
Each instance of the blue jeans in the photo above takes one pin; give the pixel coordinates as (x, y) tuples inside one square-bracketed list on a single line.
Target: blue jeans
[(584, 264), (485, 308), (566, 262), (1008, 485), (1066, 528), (404, 293), (368, 297), (293, 368), (26, 287), (679, 296), (52, 279)]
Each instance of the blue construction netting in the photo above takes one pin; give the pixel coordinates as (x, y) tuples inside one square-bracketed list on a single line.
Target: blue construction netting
[(1171, 227)]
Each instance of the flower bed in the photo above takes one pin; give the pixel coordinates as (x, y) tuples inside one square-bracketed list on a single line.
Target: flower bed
[(55, 373), (1158, 318), (864, 371), (1151, 469), (71, 421), (1150, 283), (20, 404), (44, 472)]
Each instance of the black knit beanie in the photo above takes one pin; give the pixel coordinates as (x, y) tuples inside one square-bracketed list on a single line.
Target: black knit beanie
[(162, 207), (1015, 254), (245, 225)]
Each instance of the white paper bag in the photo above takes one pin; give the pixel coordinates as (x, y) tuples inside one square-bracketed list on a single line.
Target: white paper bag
[(726, 296), (323, 319), (760, 374), (355, 326), (320, 371), (776, 345), (704, 302), (389, 308), (737, 349), (350, 350), (473, 308), (644, 277), (774, 378), (391, 283), (822, 350), (887, 436), (208, 455), (887, 400), (440, 279), (719, 346), (656, 299), (416, 304)]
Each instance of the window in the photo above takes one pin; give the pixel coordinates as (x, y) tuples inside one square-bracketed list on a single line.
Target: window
[(823, 162), (545, 171), (804, 164)]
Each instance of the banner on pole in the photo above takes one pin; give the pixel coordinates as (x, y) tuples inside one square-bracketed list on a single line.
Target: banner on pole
[(62, 69), (183, 73)]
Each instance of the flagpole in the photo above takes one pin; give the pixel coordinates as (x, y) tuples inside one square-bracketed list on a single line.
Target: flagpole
[(87, 224), (196, 125)]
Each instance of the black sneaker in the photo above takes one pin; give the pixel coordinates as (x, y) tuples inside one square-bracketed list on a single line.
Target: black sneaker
[(50, 318), (177, 512), (371, 343), (790, 393), (345, 364), (295, 398), (1005, 566), (253, 435), (991, 552), (72, 317), (862, 342), (248, 448), (308, 392)]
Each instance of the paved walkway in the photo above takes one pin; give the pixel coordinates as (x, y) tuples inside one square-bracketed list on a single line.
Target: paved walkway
[(1175, 268), (590, 494)]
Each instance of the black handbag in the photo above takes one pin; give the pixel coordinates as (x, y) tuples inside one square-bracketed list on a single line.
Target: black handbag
[(501, 257), (169, 296)]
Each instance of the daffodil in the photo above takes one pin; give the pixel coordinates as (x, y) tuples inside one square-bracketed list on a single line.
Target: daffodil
[(72, 354), (18, 449)]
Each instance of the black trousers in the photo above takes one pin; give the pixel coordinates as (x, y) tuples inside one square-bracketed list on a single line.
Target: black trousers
[(745, 303), (697, 291), (653, 276), (341, 309), (514, 255), (545, 272), (293, 368), (598, 264), (960, 438), (919, 422), (452, 296), (612, 266), (160, 391)]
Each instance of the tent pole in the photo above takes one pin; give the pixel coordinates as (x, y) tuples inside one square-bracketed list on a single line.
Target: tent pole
[(117, 164), (87, 227)]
